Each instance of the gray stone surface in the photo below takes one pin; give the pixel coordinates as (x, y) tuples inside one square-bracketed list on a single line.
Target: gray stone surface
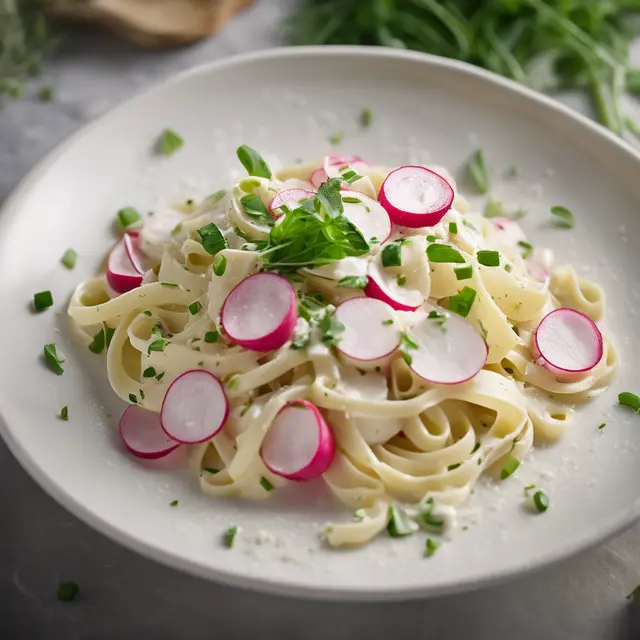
[(124, 596)]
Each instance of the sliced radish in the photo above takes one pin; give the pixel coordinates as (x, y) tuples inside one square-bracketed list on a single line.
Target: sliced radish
[(289, 197), (122, 275), (450, 350), (367, 215), (194, 408), (567, 342), (334, 161), (261, 312), (370, 331), (142, 434), (299, 444), (384, 286), (132, 245), (318, 177), (416, 196), (537, 270)]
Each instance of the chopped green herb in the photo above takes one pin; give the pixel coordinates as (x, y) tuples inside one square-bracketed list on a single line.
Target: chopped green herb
[(212, 239), (350, 176), (141, 394), (170, 285), (407, 357), (211, 470), (64, 413), (401, 280), (495, 209), (366, 118), (336, 138), (602, 425), (476, 446), (67, 591), (252, 161), (510, 465), (453, 467), (389, 321), (158, 345), (265, 484), (147, 313), (69, 258), (483, 331), (529, 487), (477, 170), (350, 200), (392, 255), (453, 227), (443, 253), (211, 336), (331, 329), (160, 376), (99, 342), (541, 500), (174, 503), (194, 308), (631, 400), (218, 195), (249, 185), (149, 372), (432, 238), (508, 268), (52, 359), (359, 514), (256, 209), (527, 248), (169, 142), (220, 266), (132, 398), (353, 282), (409, 343), (42, 300), (399, 524), (229, 536), (462, 302), (463, 273), (177, 229), (431, 547), (564, 217), (427, 516), (489, 258), (436, 315), (45, 94), (128, 217)]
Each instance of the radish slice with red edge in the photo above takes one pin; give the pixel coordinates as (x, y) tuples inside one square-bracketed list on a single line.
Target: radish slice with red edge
[(416, 196), (384, 286), (194, 408), (367, 215), (567, 342), (370, 331), (122, 275), (289, 197), (318, 177), (449, 349), (334, 161), (142, 434), (261, 312), (132, 245), (537, 270), (299, 444)]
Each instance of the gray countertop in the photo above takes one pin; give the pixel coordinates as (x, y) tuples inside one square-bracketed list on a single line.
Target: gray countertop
[(126, 596)]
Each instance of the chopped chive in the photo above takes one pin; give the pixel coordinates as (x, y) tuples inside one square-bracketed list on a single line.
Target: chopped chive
[(407, 357), (169, 142), (147, 313), (392, 255), (443, 253), (477, 170), (211, 336), (132, 398), (409, 343), (431, 547), (509, 467), (350, 176), (229, 536), (508, 268), (160, 376), (399, 524), (488, 258), (541, 500), (527, 248), (64, 413), (432, 238), (366, 118), (631, 400), (99, 342), (67, 591), (453, 227), (195, 307), (389, 321), (529, 487), (158, 345), (336, 138), (253, 162), (602, 425), (462, 302), (69, 258), (564, 217), (141, 394), (483, 331), (109, 331), (173, 503), (42, 300), (128, 217), (170, 285), (401, 280), (52, 359), (220, 266), (211, 470), (353, 282), (453, 467), (265, 484), (350, 200), (463, 273), (149, 372), (476, 446), (212, 239)]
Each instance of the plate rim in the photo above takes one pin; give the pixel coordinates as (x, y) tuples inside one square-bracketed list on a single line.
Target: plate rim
[(10, 208)]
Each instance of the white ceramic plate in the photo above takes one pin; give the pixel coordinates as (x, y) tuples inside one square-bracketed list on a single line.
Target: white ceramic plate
[(286, 103)]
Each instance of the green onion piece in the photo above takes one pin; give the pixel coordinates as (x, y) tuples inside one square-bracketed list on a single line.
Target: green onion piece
[(453, 467), (229, 536), (350, 200), (389, 321), (564, 217), (509, 467), (169, 142), (463, 273), (366, 118), (409, 343), (195, 307), (173, 503), (527, 248), (541, 500), (436, 314), (99, 342), (158, 345), (42, 300), (336, 138), (476, 446), (147, 312), (331, 329), (149, 372), (399, 524), (508, 268), (218, 195), (392, 255), (212, 239), (170, 285), (353, 282), (211, 336), (401, 280), (220, 265), (69, 258), (350, 176), (211, 470), (529, 487), (602, 425), (488, 258), (128, 217), (249, 185), (477, 170), (252, 161), (407, 357), (265, 484), (432, 238), (67, 591), (431, 547), (64, 413), (631, 400), (52, 359), (160, 376), (483, 331), (462, 302), (177, 229), (453, 227), (443, 253)]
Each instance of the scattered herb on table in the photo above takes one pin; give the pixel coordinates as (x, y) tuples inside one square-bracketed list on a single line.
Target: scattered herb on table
[(67, 591), (631, 400), (69, 258), (563, 217), (42, 300), (169, 142)]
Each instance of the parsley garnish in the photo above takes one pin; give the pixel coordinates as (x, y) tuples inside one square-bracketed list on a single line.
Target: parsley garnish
[(212, 239), (495, 209), (218, 195), (64, 413), (168, 142), (252, 161), (443, 253), (99, 342), (211, 470), (389, 321), (477, 171), (401, 280), (336, 138), (483, 331), (331, 329), (42, 300), (602, 425), (52, 359), (174, 503), (256, 209), (353, 282), (392, 255), (462, 302), (453, 228), (132, 398), (157, 345), (564, 217), (69, 258), (149, 372)]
